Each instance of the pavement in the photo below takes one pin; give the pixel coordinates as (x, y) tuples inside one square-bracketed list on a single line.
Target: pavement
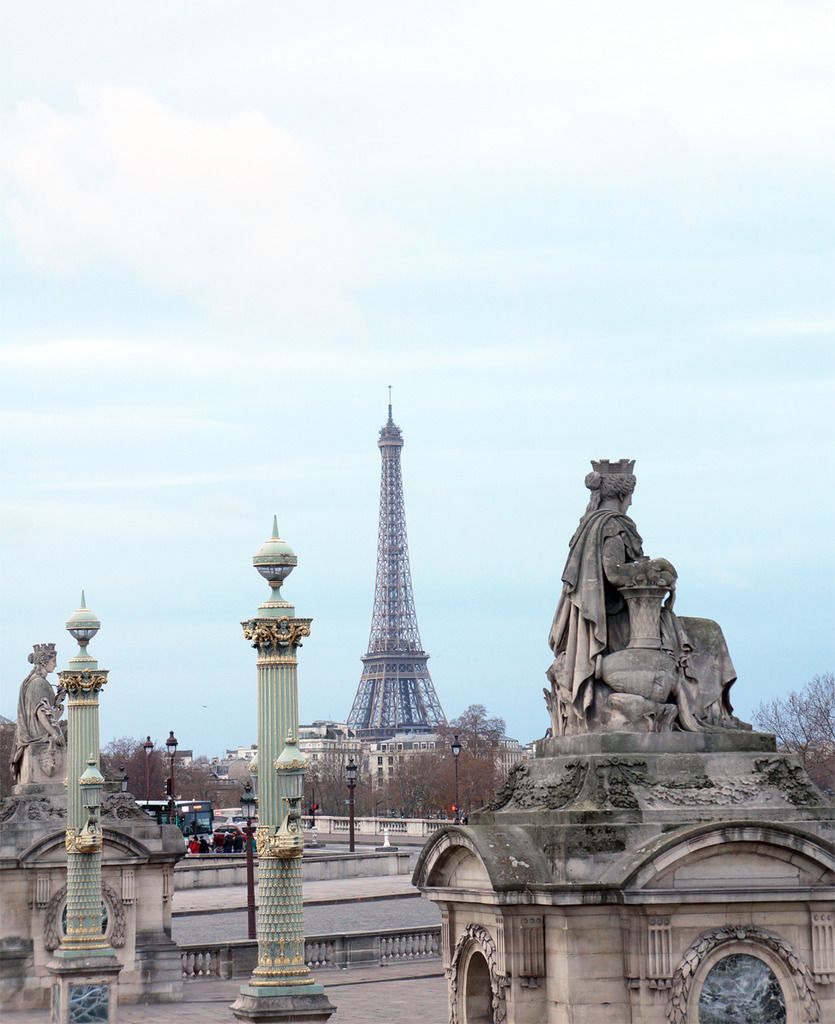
[(399, 994), (338, 890), (331, 907)]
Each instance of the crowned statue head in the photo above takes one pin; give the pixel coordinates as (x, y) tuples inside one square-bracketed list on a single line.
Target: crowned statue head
[(611, 484)]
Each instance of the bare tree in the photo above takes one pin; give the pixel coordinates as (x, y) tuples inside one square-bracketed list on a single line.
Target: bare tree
[(804, 724), (195, 781), (7, 729)]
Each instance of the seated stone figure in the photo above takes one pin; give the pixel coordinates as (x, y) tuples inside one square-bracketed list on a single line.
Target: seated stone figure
[(39, 750), (623, 661)]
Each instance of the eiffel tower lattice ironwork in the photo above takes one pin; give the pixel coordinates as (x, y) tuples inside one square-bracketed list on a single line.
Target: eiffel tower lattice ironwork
[(395, 693)]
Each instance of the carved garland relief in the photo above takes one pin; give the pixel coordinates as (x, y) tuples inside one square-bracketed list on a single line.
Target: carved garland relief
[(624, 783)]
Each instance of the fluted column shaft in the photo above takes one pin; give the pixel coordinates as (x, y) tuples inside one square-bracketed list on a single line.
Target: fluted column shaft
[(83, 934), (280, 923)]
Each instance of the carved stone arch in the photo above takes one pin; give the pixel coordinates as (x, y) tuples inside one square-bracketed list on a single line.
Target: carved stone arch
[(117, 925), (476, 938), (114, 840), (777, 840), (702, 947)]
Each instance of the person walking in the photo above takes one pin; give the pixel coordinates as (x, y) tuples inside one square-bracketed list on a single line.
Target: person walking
[(227, 843), (238, 843), (194, 845), (203, 846)]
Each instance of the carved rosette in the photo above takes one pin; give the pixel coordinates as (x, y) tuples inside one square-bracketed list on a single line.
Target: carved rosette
[(708, 941), (83, 683), (279, 635)]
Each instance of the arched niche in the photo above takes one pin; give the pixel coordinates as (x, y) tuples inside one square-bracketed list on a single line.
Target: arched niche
[(476, 988), (476, 991)]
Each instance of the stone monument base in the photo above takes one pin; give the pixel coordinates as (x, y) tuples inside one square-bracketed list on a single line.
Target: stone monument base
[(282, 1004), (137, 875), (615, 871)]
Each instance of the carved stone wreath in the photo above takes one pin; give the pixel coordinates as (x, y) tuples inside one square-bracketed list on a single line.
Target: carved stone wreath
[(476, 935), (281, 632), (115, 909), (708, 941)]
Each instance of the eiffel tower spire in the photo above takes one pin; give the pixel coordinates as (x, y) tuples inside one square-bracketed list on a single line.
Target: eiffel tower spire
[(395, 693)]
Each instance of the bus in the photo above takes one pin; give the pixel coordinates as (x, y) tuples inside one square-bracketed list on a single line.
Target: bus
[(194, 817)]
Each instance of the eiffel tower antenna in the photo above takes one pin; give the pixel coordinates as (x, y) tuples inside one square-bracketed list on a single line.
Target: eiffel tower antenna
[(395, 694)]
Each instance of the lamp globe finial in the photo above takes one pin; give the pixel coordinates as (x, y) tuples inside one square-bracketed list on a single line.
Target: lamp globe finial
[(275, 560)]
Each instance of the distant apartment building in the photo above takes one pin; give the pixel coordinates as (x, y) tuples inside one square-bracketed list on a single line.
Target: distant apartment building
[(242, 753), (384, 756), (328, 745)]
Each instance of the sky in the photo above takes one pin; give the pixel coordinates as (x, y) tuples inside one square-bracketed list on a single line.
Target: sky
[(561, 232)]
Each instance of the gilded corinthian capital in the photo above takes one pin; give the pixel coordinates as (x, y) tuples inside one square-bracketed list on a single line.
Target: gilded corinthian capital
[(82, 682), (283, 632)]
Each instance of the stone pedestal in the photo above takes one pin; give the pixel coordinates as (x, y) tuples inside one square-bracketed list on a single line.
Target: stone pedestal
[(283, 1003), (615, 871), (137, 875), (84, 990)]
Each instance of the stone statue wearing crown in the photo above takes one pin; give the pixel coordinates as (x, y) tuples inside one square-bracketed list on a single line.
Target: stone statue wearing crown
[(38, 752), (623, 660)]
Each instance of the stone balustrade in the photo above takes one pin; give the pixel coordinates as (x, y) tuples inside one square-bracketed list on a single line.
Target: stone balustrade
[(355, 949), (374, 826)]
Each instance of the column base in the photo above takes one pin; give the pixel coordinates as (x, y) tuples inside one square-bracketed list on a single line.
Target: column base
[(84, 989), (282, 1004)]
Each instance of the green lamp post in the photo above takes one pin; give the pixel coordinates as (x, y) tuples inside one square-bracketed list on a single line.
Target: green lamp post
[(85, 965), (281, 987)]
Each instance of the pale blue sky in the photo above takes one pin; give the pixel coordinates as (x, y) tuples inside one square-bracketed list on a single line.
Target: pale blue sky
[(560, 231)]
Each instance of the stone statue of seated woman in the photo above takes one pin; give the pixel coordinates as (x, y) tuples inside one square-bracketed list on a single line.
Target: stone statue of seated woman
[(39, 750), (623, 660)]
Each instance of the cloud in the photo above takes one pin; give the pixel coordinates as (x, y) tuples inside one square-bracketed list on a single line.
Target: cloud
[(224, 209), (185, 356)]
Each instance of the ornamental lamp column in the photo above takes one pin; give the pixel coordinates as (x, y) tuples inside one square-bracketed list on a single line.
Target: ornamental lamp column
[(85, 965), (281, 987)]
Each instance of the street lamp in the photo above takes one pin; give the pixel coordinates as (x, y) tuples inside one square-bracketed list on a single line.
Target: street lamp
[(123, 779), (148, 746), (171, 747), (455, 746), (351, 772), (248, 811)]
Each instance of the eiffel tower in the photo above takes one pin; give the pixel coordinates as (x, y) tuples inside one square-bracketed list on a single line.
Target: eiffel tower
[(395, 693)]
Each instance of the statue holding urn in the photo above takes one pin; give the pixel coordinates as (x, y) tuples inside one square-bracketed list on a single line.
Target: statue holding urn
[(623, 660)]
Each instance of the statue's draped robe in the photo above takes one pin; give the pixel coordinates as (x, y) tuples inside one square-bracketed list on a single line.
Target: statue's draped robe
[(36, 699), (592, 620)]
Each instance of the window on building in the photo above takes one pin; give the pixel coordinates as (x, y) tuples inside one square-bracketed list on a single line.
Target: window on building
[(741, 988)]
